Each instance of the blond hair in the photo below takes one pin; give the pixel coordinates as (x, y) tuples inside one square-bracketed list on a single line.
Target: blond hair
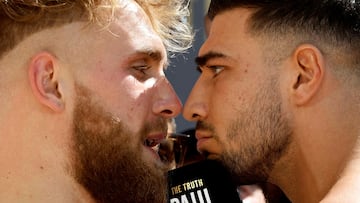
[(21, 18)]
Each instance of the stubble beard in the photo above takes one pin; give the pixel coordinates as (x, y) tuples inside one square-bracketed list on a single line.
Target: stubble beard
[(106, 162), (261, 135), (256, 138)]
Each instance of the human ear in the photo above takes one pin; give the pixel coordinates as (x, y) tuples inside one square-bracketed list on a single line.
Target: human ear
[(43, 73), (309, 66)]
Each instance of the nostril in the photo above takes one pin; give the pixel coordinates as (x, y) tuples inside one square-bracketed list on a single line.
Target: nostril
[(195, 115), (167, 111)]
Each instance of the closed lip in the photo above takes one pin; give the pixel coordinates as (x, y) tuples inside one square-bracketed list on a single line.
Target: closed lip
[(202, 137), (199, 134)]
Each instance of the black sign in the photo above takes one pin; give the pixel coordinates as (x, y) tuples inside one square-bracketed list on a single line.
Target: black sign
[(202, 182)]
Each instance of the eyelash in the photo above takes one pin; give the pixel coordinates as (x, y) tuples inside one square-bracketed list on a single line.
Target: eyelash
[(142, 68), (141, 72), (216, 70)]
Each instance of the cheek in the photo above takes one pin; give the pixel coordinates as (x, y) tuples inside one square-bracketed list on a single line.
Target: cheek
[(226, 100), (128, 100), (135, 99), (229, 101)]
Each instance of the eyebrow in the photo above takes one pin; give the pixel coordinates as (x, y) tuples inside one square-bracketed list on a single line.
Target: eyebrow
[(155, 55), (202, 60)]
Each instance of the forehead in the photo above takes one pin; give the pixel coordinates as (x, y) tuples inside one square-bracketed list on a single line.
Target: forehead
[(131, 21), (228, 32), (129, 32)]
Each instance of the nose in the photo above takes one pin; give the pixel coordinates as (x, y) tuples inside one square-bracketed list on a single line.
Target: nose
[(167, 103), (196, 106)]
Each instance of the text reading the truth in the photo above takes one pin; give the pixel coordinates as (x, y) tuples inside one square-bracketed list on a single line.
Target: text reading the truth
[(190, 192), (191, 185)]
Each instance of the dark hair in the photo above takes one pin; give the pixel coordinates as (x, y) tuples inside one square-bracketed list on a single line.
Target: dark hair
[(334, 22)]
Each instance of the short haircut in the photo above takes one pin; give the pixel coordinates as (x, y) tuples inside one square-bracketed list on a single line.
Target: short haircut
[(325, 23), (19, 19)]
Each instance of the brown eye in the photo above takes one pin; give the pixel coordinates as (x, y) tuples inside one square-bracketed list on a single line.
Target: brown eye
[(216, 70)]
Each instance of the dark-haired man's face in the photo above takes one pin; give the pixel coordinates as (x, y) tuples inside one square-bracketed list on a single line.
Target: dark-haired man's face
[(237, 101)]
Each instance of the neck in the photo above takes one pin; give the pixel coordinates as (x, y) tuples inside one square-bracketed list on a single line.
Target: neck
[(323, 148), (348, 185), (35, 167), (27, 176), (309, 172), (32, 187)]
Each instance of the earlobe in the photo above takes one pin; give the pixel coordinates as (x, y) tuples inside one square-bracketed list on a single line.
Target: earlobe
[(310, 66), (43, 77)]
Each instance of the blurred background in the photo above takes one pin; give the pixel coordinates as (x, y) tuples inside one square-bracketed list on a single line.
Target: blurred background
[(182, 72)]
